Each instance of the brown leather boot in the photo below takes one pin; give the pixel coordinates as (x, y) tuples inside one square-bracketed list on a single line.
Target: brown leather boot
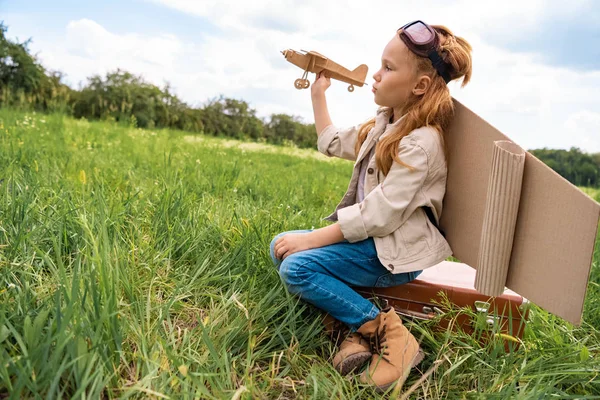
[(395, 352), (353, 353), (355, 350)]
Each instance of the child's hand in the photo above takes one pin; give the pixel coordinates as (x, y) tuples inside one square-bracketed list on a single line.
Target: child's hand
[(321, 84), (292, 243)]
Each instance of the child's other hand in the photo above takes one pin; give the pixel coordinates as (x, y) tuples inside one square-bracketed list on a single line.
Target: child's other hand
[(292, 243), (321, 84)]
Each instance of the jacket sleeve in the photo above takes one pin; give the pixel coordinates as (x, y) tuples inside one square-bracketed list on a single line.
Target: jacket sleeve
[(390, 203), (335, 142)]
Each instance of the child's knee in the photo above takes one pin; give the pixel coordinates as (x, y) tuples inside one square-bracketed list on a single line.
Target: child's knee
[(292, 272), (284, 271), (275, 260)]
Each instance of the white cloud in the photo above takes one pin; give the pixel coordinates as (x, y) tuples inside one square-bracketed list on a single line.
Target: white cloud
[(528, 101), (92, 41), (534, 104), (87, 48), (583, 127)]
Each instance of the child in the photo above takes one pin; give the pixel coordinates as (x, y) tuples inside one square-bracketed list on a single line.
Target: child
[(385, 225)]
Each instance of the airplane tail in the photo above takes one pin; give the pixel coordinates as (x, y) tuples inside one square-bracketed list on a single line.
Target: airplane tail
[(360, 71)]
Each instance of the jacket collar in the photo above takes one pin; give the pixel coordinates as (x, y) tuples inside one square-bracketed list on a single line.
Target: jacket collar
[(382, 128)]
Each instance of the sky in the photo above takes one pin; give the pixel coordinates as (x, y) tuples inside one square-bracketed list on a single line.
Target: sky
[(536, 64)]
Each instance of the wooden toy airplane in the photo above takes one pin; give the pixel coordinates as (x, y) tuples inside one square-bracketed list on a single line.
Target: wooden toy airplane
[(311, 61)]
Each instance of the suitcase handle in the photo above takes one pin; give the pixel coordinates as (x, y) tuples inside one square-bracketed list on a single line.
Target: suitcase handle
[(427, 314), (415, 314), (432, 310)]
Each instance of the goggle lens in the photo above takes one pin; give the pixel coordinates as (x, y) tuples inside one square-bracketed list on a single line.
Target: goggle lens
[(419, 33), (422, 40)]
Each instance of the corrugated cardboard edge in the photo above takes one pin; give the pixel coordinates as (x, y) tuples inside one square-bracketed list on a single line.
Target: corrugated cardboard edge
[(500, 217), (556, 225)]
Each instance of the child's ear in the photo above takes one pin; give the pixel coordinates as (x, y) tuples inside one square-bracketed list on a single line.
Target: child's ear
[(422, 85)]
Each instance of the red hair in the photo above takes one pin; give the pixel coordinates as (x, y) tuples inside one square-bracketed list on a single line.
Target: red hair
[(434, 108)]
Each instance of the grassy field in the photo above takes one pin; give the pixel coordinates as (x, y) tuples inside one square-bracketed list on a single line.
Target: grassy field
[(135, 264), (592, 192)]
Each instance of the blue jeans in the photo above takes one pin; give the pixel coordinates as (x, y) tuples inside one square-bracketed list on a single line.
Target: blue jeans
[(323, 276)]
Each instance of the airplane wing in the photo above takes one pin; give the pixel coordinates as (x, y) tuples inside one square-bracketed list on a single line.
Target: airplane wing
[(314, 53)]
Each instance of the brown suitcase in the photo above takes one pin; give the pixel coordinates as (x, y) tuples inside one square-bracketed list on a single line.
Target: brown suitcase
[(423, 299)]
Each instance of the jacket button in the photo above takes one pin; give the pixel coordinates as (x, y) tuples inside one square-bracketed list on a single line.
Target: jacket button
[(391, 265), (370, 170)]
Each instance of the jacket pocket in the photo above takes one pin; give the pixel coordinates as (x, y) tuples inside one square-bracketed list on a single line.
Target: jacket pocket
[(416, 233), (394, 245), (418, 247)]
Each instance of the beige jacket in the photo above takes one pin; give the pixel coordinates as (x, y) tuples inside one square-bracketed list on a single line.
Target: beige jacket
[(391, 211)]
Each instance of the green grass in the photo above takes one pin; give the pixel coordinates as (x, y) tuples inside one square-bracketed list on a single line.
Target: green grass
[(592, 192), (135, 264)]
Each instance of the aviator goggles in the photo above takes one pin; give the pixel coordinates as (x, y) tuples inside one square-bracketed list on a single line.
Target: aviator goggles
[(422, 40)]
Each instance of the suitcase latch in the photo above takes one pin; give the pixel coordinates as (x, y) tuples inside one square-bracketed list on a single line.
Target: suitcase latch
[(432, 310), (483, 307)]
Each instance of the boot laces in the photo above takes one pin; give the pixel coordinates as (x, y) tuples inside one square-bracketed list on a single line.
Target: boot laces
[(340, 330), (378, 343), (354, 337)]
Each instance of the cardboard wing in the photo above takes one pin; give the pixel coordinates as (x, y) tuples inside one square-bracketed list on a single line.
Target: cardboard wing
[(551, 246)]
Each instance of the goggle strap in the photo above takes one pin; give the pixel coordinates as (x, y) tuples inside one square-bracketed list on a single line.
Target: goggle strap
[(440, 65)]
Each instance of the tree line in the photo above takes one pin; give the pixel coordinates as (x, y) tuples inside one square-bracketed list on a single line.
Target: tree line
[(127, 98), (124, 97), (577, 167)]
